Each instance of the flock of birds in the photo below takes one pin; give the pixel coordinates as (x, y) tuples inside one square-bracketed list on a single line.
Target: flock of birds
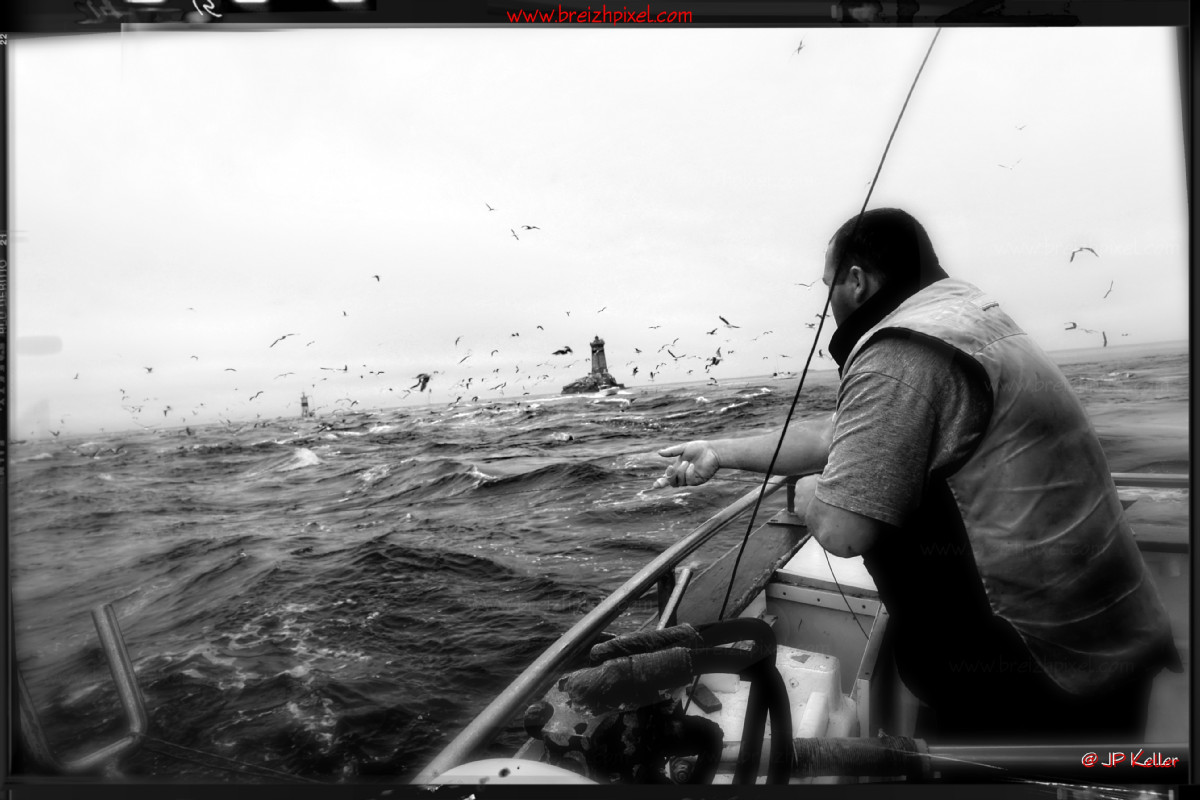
[(1073, 326), (497, 379)]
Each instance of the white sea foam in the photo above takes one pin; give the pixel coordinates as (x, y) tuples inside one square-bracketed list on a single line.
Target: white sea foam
[(375, 473), (303, 457), (481, 476)]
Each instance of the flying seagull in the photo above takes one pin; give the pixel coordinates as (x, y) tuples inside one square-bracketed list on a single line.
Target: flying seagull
[(148, 369), (489, 207), (728, 324), (564, 351), (1070, 326), (806, 285), (1105, 335), (422, 381), (1106, 294), (376, 277), (531, 227), (514, 233), (1081, 249), (799, 47), (281, 338)]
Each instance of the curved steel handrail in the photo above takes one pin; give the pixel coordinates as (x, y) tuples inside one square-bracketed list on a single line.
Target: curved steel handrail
[(537, 675)]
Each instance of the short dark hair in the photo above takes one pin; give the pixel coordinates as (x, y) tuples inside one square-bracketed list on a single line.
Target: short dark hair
[(890, 244)]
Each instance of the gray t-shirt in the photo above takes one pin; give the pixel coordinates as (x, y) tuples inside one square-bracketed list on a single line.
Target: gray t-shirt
[(906, 408)]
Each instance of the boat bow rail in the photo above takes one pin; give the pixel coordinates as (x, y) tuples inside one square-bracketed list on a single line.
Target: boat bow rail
[(538, 677)]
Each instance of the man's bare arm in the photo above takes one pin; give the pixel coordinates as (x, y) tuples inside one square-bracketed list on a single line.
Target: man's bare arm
[(805, 449)]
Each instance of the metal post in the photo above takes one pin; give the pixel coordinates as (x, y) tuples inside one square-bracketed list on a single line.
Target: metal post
[(666, 611)]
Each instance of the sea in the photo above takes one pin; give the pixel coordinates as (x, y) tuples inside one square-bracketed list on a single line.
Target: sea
[(332, 599)]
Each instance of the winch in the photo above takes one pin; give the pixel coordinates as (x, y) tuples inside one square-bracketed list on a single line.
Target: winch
[(617, 721)]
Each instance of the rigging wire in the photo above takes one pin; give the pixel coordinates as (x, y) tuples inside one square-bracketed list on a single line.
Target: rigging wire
[(804, 373), (813, 347)]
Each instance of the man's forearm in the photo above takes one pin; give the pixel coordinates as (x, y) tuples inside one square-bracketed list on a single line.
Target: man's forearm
[(805, 449)]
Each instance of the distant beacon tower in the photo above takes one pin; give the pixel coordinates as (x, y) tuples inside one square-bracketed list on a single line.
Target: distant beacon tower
[(599, 362), (304, 406)]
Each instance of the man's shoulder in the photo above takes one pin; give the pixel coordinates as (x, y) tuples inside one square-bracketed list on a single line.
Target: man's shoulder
[(901, 353)]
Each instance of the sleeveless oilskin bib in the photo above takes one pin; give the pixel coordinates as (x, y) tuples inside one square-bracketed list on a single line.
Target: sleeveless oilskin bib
[(1054, 551)]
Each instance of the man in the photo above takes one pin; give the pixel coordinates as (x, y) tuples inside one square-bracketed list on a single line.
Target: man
[(964, 470)]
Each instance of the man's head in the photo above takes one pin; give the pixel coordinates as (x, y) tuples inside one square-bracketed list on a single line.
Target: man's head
[(887, 250)]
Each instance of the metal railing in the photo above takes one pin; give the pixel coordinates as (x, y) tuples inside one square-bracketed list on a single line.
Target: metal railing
[(537, 676), (127, 690)]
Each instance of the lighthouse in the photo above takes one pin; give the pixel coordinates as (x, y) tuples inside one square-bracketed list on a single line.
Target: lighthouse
[(599, 362), (599, 379)]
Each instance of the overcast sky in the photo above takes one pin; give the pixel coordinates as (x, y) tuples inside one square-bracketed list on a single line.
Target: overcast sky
[(180, 200)]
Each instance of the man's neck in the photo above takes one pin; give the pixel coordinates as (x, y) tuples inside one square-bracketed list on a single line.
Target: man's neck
[(862, 319)]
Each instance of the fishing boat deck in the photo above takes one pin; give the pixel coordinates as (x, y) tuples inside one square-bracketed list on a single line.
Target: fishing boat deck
[(830, 629)]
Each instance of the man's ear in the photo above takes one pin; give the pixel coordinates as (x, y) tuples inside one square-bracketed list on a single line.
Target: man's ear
[(856, 276)]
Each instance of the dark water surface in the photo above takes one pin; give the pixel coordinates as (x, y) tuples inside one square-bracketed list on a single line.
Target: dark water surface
[(336, 598)]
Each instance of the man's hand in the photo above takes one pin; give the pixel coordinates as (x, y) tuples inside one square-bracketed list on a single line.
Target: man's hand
[(695, 463)]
